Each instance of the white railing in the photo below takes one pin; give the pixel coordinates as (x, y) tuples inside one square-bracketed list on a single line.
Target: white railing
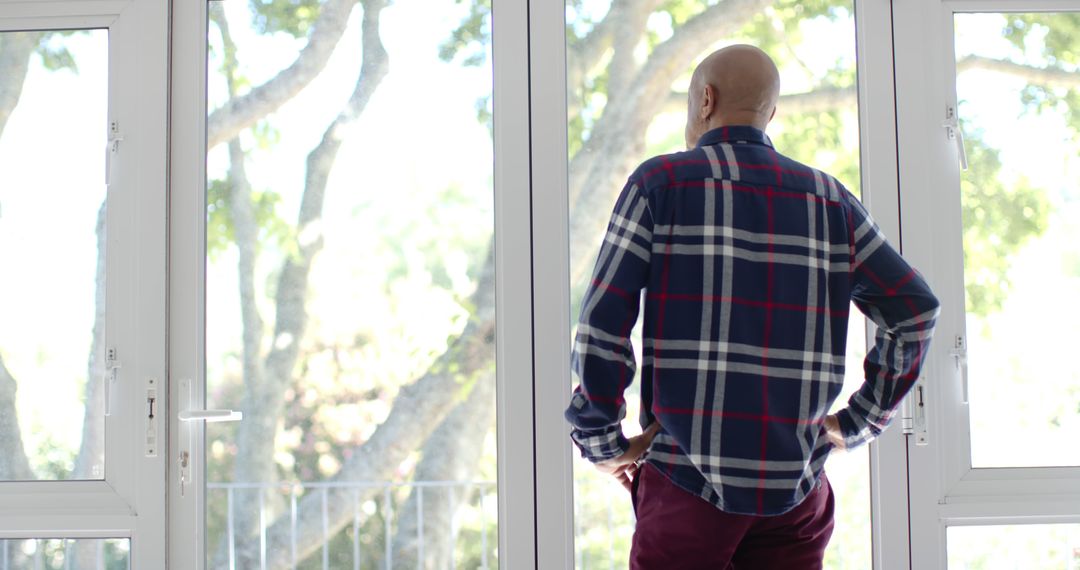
[(380, 498), (383, 490), (36, 560)]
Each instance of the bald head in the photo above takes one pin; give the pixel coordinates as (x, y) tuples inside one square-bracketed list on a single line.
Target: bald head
[(737, 85)]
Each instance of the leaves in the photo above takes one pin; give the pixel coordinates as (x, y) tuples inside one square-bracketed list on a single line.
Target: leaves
[(999, 219), (293, 17), (220, 234), (468, 42), (55, 56)]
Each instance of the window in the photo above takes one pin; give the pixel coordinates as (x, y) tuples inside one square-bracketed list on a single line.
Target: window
[(349, 291), (988, 213), (82, 315), (54, 369)]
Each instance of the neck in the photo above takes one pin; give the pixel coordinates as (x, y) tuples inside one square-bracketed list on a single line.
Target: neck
[(755, 120)]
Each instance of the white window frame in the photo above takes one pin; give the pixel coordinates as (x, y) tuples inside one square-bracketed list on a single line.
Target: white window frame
[(129, 501), (945, 489), (517, 471)]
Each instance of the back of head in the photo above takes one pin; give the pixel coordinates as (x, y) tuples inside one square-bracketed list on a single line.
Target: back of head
[(737, 85)]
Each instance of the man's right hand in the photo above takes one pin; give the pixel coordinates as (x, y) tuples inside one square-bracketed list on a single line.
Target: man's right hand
[(832, 431)]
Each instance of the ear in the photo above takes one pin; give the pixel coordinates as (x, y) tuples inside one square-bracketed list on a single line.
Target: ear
[(773, 114), (708, 102)]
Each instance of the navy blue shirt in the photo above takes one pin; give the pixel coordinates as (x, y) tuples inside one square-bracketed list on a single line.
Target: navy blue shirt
[(748, 261)]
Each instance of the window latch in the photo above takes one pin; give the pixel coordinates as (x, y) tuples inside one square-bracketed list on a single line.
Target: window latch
[(112, 364), (914, 419), (115, 136), (959, 354), (955, 134)]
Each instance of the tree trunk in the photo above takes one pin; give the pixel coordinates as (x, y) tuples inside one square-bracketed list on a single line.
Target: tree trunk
[(245, 234), (241, 112), (92, 447), (15, 51), (14, 465), (451, 453), (616, 144), (265, 399), (418, 408)]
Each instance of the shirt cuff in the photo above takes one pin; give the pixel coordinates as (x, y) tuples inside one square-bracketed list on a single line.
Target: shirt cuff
[(600, 444), (855, 429)]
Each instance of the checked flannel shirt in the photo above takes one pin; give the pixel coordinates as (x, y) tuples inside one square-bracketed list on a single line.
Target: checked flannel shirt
[(749, 261)]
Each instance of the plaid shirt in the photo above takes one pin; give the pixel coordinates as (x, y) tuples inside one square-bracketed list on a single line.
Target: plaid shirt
[(749, 261)]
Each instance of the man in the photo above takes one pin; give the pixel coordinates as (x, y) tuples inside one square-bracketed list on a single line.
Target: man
[(749, 261)]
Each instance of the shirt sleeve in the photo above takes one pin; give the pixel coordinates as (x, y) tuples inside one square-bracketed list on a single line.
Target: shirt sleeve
[(898, 300), (603, 358)]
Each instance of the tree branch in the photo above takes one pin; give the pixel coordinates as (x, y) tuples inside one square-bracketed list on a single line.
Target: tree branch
[(630, 20), (92, 445), (255, 441), (242, 112), (585, 54), (14, 466), (15, 51), (617, 140), (245, 236), (816, 101), (451, 453), (418, 408), (1044, 76)]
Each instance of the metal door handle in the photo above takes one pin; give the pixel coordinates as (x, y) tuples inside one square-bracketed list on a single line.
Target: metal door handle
[(211, 415)]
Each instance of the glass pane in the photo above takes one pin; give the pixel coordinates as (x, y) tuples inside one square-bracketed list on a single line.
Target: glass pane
[(613, 51), (1021, 213), (1008, 547), (350, 287), (65, 553), (53, 114)]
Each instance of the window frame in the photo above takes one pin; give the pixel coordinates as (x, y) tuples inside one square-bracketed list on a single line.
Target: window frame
[(129, 501), (945, 489), (514, 282)]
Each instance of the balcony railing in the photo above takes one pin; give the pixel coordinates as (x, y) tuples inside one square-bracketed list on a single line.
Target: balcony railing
[(470, 502), (386, 494)]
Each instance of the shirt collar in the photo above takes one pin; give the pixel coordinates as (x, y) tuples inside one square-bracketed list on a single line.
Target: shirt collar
[(736, 134)]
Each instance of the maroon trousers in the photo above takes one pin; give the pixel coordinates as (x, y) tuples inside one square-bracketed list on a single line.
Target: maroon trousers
[(679, 531)]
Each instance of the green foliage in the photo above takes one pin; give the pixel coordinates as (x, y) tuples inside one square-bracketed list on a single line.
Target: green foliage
[(1059, 32), (999, 219), (431, 236), (817, 139), (470, 39), (777, 30), (55, 56), (1055, 38), (293, 17), (52, 461), (220, 233)]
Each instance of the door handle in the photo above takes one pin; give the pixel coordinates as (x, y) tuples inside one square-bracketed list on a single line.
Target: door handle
[(211, 416)]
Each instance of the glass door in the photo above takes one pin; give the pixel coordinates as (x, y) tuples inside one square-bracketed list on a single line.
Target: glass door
[(627, 73), (340, 328), (1002, 469), (82, 331)]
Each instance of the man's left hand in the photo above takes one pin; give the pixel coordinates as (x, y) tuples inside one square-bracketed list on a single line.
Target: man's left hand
[(625, 466)]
